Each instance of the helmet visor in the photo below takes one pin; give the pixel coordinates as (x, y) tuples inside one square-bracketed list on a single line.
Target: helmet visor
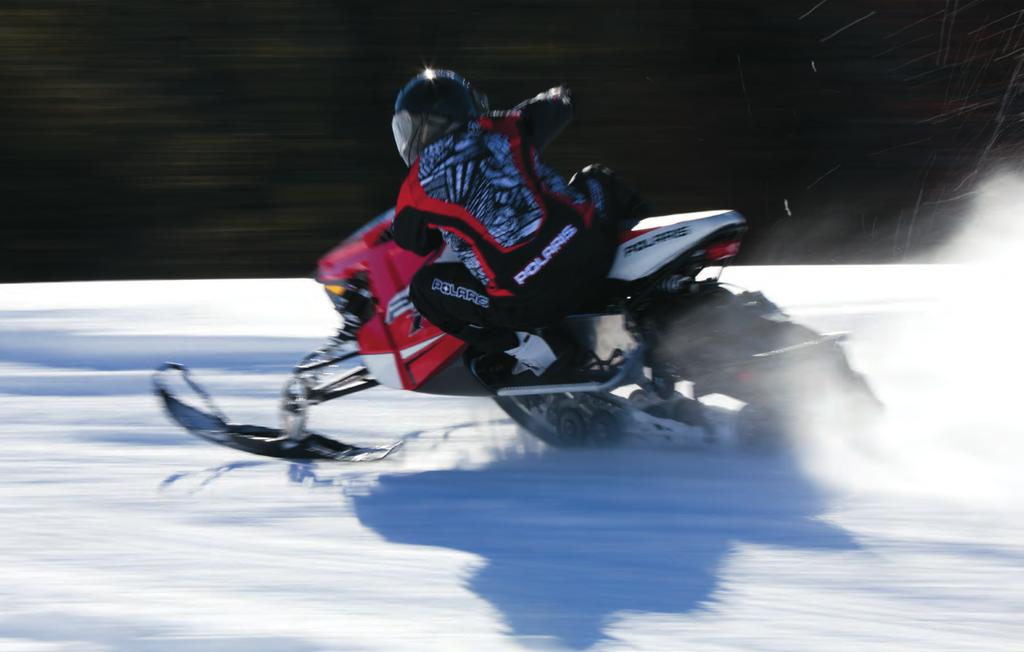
[(413, 132), (404, 128)]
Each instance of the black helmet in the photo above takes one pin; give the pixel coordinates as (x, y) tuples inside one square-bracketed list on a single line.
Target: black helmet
[(432, 104)]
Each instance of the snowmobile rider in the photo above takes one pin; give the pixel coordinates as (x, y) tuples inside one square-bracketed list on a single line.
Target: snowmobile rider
[(526, 248)]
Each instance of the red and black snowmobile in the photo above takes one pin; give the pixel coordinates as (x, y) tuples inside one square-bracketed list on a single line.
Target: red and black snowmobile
[(667, 335)]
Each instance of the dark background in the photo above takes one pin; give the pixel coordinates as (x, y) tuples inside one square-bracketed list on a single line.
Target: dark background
[(170, 138)]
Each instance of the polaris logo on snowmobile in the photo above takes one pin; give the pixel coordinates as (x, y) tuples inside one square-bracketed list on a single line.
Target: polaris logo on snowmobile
[(645, 243), (459, 292), (549, 252), (398, 306)]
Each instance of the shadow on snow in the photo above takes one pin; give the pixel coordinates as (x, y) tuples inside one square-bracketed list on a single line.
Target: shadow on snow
[(571, 538)]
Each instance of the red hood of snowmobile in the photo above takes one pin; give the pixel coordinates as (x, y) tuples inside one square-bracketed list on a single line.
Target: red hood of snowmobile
[(350, 256), (401, 349)]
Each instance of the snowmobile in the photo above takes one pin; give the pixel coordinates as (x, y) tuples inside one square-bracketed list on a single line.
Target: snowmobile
[(666, 337)]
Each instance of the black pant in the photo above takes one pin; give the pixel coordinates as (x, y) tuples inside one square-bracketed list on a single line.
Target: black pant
[(456, 302)]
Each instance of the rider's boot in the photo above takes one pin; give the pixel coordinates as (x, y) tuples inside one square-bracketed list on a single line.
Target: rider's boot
[(533, 353), (552, 356), (533, 359)]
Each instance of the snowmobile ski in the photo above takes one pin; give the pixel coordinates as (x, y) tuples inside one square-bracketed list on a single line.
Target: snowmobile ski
[(212, 425)]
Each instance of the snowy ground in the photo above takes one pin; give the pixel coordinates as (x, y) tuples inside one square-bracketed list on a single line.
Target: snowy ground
[(120, 532)]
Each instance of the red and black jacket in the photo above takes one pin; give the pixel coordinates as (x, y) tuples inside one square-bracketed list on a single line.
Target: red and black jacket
[(512, 220)]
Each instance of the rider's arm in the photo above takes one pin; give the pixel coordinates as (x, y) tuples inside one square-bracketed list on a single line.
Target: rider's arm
[(413, 232), (545, 116)]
